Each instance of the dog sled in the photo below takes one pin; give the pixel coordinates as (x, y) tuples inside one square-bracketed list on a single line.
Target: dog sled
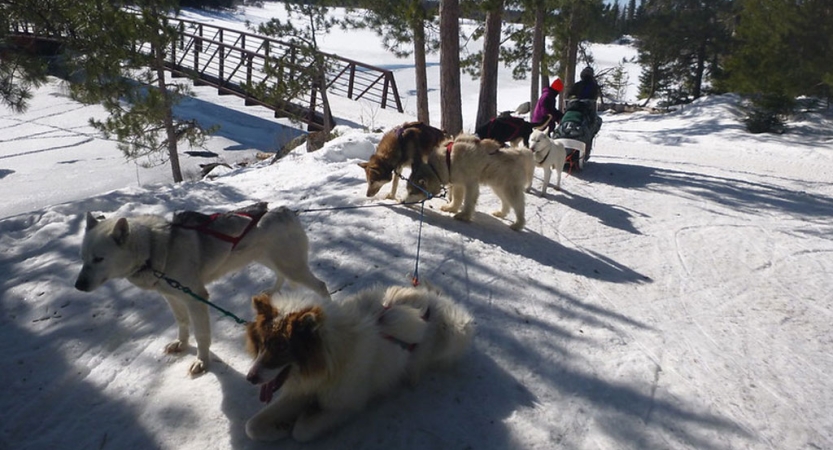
[(577, 130)]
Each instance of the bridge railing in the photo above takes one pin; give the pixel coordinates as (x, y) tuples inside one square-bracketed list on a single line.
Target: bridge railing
[(235, 61)]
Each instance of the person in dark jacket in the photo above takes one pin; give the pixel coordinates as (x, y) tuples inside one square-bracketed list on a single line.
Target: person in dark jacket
[(586, 90), (548, 105), (582, 98), (587, 87)]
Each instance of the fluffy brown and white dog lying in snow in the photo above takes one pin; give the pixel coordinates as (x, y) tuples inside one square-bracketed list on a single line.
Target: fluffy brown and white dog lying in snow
[(326, 360), (402, 146), (468, 163)]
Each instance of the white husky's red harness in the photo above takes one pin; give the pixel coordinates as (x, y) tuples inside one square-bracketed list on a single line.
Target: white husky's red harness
[(234, 240)]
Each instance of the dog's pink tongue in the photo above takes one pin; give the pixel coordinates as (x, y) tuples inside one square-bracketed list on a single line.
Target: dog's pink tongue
[(267, 390)]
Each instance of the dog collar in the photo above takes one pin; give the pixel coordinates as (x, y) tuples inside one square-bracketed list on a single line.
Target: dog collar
[(145, 268), (544, 158)]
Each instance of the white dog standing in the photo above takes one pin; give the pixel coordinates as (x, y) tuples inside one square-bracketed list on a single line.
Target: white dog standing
[(194, 250), (326, 360), (467, 164), (549, 154)]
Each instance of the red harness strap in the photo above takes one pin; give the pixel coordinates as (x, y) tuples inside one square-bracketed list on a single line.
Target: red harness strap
[(234, 240)]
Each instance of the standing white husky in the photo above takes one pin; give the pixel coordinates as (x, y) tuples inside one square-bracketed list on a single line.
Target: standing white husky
[(327, 359), (549, 154), (195, 249), (468, 163)]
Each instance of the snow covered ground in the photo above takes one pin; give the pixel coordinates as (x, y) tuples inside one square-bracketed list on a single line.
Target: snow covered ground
[(674, 295)]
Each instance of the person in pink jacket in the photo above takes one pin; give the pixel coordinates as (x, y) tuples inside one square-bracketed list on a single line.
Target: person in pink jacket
[(548, 106)]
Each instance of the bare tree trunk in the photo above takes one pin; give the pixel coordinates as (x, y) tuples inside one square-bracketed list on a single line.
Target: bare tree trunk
[(538, 49), (420, 76), (571, 49), (170, 128), (701, 68), (328, 114), (450, 92), (487, 101)]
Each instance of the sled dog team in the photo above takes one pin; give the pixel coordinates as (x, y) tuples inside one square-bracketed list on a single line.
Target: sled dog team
[(318, 361), (465, 162)]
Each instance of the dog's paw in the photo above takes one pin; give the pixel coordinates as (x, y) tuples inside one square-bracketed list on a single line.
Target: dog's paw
[(198, 367), (542, 194), (448, 208), (260, 431), (390, 197), (463, 216), (500, 214), (517, 226), (176, 346)]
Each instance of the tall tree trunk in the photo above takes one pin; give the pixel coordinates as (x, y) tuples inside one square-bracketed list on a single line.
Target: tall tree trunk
[(328, 113), (170, 127), (487, 101), (697, 89), (538, 49), (571, 49), (420, 75), (450, 92)]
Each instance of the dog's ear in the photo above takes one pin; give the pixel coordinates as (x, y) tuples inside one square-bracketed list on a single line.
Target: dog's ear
[(310, 321), (363, 165), (263, 306), (91, 221), (121, 231)]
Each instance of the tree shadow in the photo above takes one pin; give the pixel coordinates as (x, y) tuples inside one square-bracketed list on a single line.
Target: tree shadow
[(531, 245), (609, 215), (735, 193), (248, 130), (49, 332)]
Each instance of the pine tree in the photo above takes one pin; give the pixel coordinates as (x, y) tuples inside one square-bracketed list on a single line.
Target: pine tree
[(306, 63), (123, 67), (484, 63), (400, 26), (579, 19), (450, 92), (783, 49), (680, 41), (21, 70)]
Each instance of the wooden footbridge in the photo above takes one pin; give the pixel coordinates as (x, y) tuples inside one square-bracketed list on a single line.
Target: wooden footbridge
[(233, 61)]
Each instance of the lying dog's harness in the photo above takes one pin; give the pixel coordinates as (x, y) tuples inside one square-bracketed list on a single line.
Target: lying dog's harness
[(202, 223), (407, 346)]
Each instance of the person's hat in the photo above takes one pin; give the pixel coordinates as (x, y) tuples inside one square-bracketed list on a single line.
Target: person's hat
[(587, 72), (557, 85)]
